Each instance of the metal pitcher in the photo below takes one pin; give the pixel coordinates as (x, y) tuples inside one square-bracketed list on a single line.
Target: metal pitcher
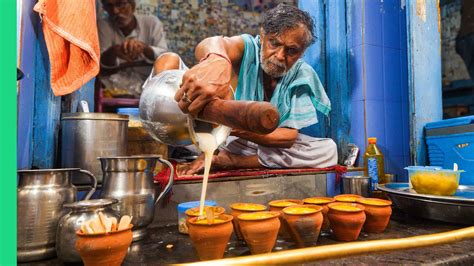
[(81, 211), (130, 180), (162, 118), (40, 198)]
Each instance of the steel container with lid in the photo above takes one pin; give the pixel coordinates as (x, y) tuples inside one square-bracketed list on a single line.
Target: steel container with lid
[(86, 136)]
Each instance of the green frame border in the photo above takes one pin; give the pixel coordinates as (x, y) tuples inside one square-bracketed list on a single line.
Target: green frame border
[(8, 109)]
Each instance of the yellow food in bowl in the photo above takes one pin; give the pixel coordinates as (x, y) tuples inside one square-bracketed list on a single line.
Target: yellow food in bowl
[(195, 211), (435, 183), (345, 207), (257, 215), (205, 221), (299, 210), (317, 201), (347, 198), (248, 207), (283, 204), (374, 202)]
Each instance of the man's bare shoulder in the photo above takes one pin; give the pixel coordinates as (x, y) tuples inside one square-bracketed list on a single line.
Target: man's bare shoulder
[(234, 45)]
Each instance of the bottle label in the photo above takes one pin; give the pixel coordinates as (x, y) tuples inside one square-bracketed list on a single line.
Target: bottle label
[(373, 172)]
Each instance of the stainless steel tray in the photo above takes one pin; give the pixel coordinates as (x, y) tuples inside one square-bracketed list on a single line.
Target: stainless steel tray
[(455, 209)]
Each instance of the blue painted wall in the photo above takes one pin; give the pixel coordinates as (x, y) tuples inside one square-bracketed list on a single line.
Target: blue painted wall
[(379, 89), (26, 92), (361, 58), (329, 57)]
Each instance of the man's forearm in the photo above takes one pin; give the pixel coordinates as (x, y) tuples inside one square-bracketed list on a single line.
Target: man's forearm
[(279, 138)]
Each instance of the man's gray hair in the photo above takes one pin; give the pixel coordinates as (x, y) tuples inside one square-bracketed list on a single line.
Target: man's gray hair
[(285, 17)]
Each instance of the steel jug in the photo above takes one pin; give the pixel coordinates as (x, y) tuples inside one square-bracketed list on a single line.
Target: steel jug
[(40, 198), (130, 180), (162, 118), (70, 223)]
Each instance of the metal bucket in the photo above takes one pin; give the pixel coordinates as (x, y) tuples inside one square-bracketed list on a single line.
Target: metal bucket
[(86, 136), (359, 185)]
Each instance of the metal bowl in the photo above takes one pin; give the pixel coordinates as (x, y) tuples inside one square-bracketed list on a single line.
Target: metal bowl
[(455, 209), (162, 118)]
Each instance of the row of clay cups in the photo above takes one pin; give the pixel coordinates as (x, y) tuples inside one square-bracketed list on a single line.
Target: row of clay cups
[(371, 213), (344, 214)]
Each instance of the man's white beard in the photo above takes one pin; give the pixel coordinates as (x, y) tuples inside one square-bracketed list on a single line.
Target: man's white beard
[(269, 67)]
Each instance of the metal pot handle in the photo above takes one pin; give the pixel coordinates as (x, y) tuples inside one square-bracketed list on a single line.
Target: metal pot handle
[(93, 186), (170, 180)]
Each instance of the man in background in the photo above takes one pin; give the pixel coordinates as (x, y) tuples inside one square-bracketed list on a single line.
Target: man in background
[(129, 45), (465, 38)]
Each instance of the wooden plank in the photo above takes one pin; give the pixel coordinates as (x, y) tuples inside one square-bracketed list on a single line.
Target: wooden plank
[(47, 109), (337, 74), (424, 72)]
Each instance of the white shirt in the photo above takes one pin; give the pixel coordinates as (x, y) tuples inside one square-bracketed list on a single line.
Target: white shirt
[(149, 30)]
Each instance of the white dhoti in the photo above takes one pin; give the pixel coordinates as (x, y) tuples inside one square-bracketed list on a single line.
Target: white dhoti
[(306, 152)]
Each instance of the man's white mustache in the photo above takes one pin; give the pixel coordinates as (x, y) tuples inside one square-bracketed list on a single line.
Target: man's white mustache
[(276, 63)]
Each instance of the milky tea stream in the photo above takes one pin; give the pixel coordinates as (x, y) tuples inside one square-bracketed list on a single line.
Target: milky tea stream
[(207, 144)]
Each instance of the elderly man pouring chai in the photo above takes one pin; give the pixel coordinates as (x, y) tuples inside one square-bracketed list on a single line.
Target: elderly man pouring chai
[(269, 68)]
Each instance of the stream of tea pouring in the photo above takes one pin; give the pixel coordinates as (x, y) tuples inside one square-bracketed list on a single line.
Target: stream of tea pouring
[(207, 144)]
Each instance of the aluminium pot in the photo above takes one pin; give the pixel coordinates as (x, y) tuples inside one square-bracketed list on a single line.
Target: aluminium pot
[(86, 136)]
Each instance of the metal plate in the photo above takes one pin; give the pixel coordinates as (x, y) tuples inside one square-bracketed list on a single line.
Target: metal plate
[(456, 209)]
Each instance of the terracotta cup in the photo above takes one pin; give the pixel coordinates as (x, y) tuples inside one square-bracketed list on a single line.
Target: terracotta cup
[(240, 208), (194, 212), (279, 205), (304, 223), (346, 220), (378, 213), (210, 240), (323, 202), (347, 198), (104, 249), (260, 230)]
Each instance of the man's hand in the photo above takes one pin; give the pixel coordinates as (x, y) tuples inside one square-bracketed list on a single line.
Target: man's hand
[(133, 48), (129, 50), (203, 83)]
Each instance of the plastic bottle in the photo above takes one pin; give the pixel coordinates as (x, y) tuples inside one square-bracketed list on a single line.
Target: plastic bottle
[(374, 163)]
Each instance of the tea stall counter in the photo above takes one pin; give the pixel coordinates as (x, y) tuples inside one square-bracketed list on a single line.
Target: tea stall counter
[(153, 249)]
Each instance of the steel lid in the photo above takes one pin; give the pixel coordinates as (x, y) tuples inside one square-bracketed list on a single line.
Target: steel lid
[(94, 116)]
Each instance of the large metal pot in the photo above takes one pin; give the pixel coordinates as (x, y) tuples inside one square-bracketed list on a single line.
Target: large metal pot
[(86, 136), (130, 180), (81, 211), (40, 198)]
